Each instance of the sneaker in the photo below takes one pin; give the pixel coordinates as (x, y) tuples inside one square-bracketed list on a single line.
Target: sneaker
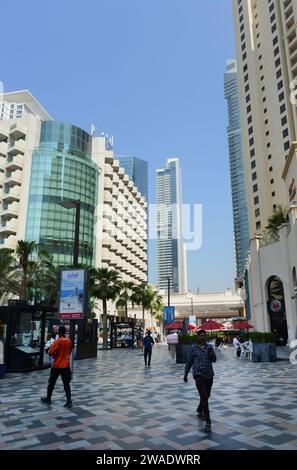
[(68, 404), (45, 400), (207, 427), (201, 416)]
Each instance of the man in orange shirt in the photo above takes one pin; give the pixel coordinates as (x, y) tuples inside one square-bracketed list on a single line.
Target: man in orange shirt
[(60, 350)]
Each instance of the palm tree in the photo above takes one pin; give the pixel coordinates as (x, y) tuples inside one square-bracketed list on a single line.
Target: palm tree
[(157, 305), (280, 216), (125, 295), (143, 295), (104, 285), (24, 251), (8, 280)]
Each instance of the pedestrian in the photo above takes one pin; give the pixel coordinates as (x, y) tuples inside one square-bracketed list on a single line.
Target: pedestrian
[(200, 359), (60, 350), (147, 346), (48, 345)]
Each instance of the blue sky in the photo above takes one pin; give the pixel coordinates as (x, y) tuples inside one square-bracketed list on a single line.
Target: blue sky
[(150, 73)]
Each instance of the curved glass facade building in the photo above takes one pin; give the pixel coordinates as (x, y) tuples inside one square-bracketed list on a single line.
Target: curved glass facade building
[(62, 169)]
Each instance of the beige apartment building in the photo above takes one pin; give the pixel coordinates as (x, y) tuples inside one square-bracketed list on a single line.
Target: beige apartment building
[(43, 161), (266, 43)]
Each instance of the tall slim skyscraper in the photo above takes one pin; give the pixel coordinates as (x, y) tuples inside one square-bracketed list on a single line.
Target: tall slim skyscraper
[(171, 256), (137, 170), (265, 34), (239, 205)]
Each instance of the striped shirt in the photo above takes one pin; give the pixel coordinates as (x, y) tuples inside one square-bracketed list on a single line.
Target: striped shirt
[(200, 362)]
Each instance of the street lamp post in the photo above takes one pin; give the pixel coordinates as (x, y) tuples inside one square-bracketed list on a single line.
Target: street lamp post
[(72, 204)]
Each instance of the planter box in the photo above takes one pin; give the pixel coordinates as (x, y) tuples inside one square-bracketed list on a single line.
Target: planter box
[(2, 371), (264, 352), (182, 351)]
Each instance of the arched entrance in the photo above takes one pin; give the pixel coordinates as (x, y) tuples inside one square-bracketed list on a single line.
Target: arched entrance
[(277, 309)]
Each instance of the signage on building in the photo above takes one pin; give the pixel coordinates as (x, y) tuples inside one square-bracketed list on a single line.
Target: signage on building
[(168, 314), (192, 320), (73, 302), (276, 306), (292, 190)]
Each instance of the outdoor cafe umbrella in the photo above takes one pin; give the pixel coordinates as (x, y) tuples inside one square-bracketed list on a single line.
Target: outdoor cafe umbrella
[(210, 325), (242, 325), (178, 326)]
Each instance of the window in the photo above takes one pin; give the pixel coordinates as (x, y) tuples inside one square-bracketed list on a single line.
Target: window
[(248, 109), (267, 133), (273, 193), (269, 157), (249, 119), (266, 121), (253, 164), (262, 77), (251, 141), (254, 176), (258, 225), (272, 181), (247, 87), (282, 108), (247, 98), (260, 56), (242, 37), (264, 99), (270, 168), (271, 7), (245, 68), (273, 28), (263, 88), (258, 45), (265, 110), (255, 188), (281, 96), (275, 40), (284, 120), (243, 46), (276, 51), (244, 56), (241, 28), (285, 133), (252, 153), (277, 62), (272, 18), (257, 212), (241, 18), (274, 207), (246, 77), (287, 145), (280, 85), (278, 73), (250, 131), (268, 145)]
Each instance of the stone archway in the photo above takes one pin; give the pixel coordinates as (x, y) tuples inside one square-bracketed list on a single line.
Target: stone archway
[(276, 308)]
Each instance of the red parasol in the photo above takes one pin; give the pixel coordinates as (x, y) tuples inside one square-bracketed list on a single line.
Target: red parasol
[(242, 325), (178, 326), (210, 325)]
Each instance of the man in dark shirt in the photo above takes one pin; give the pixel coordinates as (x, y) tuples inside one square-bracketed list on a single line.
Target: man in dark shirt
[(147, 344), (200, 359)]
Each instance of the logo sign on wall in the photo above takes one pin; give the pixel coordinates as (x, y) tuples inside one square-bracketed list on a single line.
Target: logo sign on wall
[(72, 294), (192, 320), (168, 314), (276, 306)]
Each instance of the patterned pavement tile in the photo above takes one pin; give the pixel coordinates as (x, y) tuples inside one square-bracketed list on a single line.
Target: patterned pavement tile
[(120, 405)]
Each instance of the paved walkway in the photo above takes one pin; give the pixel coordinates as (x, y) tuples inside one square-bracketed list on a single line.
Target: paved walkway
[(120, 404)]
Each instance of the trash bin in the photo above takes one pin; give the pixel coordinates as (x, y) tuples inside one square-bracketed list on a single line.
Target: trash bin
[(2, 371)]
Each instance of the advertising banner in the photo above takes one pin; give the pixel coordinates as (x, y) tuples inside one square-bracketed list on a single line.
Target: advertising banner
[(72, 294), (168, 314)]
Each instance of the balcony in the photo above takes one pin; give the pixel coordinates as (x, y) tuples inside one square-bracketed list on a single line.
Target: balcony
[(3, 135), (8, 227), (108, 170), (107, 197), (3, 149), (16, 146), (17, 131), (108, 183), (13, 178), (105, 254), (106, 240), (10, 210), (1, 179), (9, 242), (11, 194), (14, 162)]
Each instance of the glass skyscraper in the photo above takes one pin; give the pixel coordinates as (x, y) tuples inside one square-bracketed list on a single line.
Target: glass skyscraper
[(171, 256), (62, 169), (137, 170), (239, 202)]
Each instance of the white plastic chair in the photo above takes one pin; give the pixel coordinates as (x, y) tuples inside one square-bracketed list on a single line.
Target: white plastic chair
[(219, 349)]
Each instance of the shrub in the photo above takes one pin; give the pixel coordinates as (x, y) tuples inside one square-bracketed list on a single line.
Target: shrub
[(187, 339), (260, 337)]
